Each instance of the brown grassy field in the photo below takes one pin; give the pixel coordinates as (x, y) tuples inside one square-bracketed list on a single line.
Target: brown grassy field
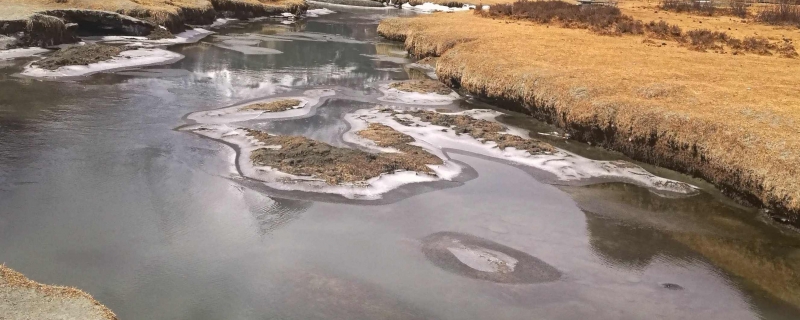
[(731, 119), (162, 12), (22, 298)]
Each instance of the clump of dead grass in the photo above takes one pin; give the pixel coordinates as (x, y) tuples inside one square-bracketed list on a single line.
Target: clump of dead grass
[(305, 157), (786, 12), (274, 106), (160, 33), (15, 280), (421, 86), (78, 55), (482, 130), (609, 20), (706, 8)]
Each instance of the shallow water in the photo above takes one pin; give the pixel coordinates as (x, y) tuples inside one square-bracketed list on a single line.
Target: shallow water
[(98, 191)]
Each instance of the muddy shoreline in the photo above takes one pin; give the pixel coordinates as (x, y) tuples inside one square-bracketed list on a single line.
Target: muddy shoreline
[(664, 148)]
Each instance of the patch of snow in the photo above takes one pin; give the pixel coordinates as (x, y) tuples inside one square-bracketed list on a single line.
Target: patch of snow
[(313, 13), (238, 113), (566, 166), (426, 99), (483, 259), (368, 190), (220, 22), (188, 36), (21, 52), (125, 60), (379, 57), (429, 7)]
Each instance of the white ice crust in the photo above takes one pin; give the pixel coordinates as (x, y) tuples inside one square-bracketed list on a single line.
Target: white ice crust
[(126, 59), (564, 165), (371, 189), (238, 113), (429, 7), (217, 124), (483, 259), (221, 22), (313, 13), (188, 36), (20, 53), (392, 95)]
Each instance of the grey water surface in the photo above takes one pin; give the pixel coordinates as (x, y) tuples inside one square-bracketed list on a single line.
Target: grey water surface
[(99, 191)]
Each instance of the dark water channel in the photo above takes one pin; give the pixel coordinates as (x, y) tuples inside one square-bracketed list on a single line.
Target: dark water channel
[(98, 191)]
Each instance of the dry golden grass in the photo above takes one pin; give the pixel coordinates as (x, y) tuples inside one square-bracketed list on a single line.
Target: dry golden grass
[(482, 130), (273, 106), (305, 157), (14, 280), (734, 26), (421, 86), (731, 119), (158, 11)]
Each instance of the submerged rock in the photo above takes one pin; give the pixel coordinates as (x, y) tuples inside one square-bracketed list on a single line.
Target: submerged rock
[(478, 258)]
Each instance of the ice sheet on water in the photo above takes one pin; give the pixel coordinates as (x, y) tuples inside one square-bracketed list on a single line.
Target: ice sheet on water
[(188, 36), (21, 53), (564, 165), (313, 13), (126, 59), (429, 7), (392, 95), (238, 112), (366, 190)]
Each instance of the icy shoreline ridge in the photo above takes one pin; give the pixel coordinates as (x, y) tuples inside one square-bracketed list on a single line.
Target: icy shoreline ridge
[(565, 166), (126, 59)]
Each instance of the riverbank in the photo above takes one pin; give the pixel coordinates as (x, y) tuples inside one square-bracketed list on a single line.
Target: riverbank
[(22, 298), (730, 119), (48, 23)]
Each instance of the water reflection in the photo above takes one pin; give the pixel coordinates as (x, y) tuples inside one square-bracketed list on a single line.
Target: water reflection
[(630, 227)]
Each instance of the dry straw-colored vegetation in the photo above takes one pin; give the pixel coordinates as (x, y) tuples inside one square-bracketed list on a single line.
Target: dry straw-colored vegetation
[(170, 13), (482, 130), (732, 119), (421, 86), (79, 55), (22, 298), (273, 106), (306, 157), (609, 20)]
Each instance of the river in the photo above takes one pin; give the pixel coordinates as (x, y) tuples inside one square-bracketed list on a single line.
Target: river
[(99, 189)]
